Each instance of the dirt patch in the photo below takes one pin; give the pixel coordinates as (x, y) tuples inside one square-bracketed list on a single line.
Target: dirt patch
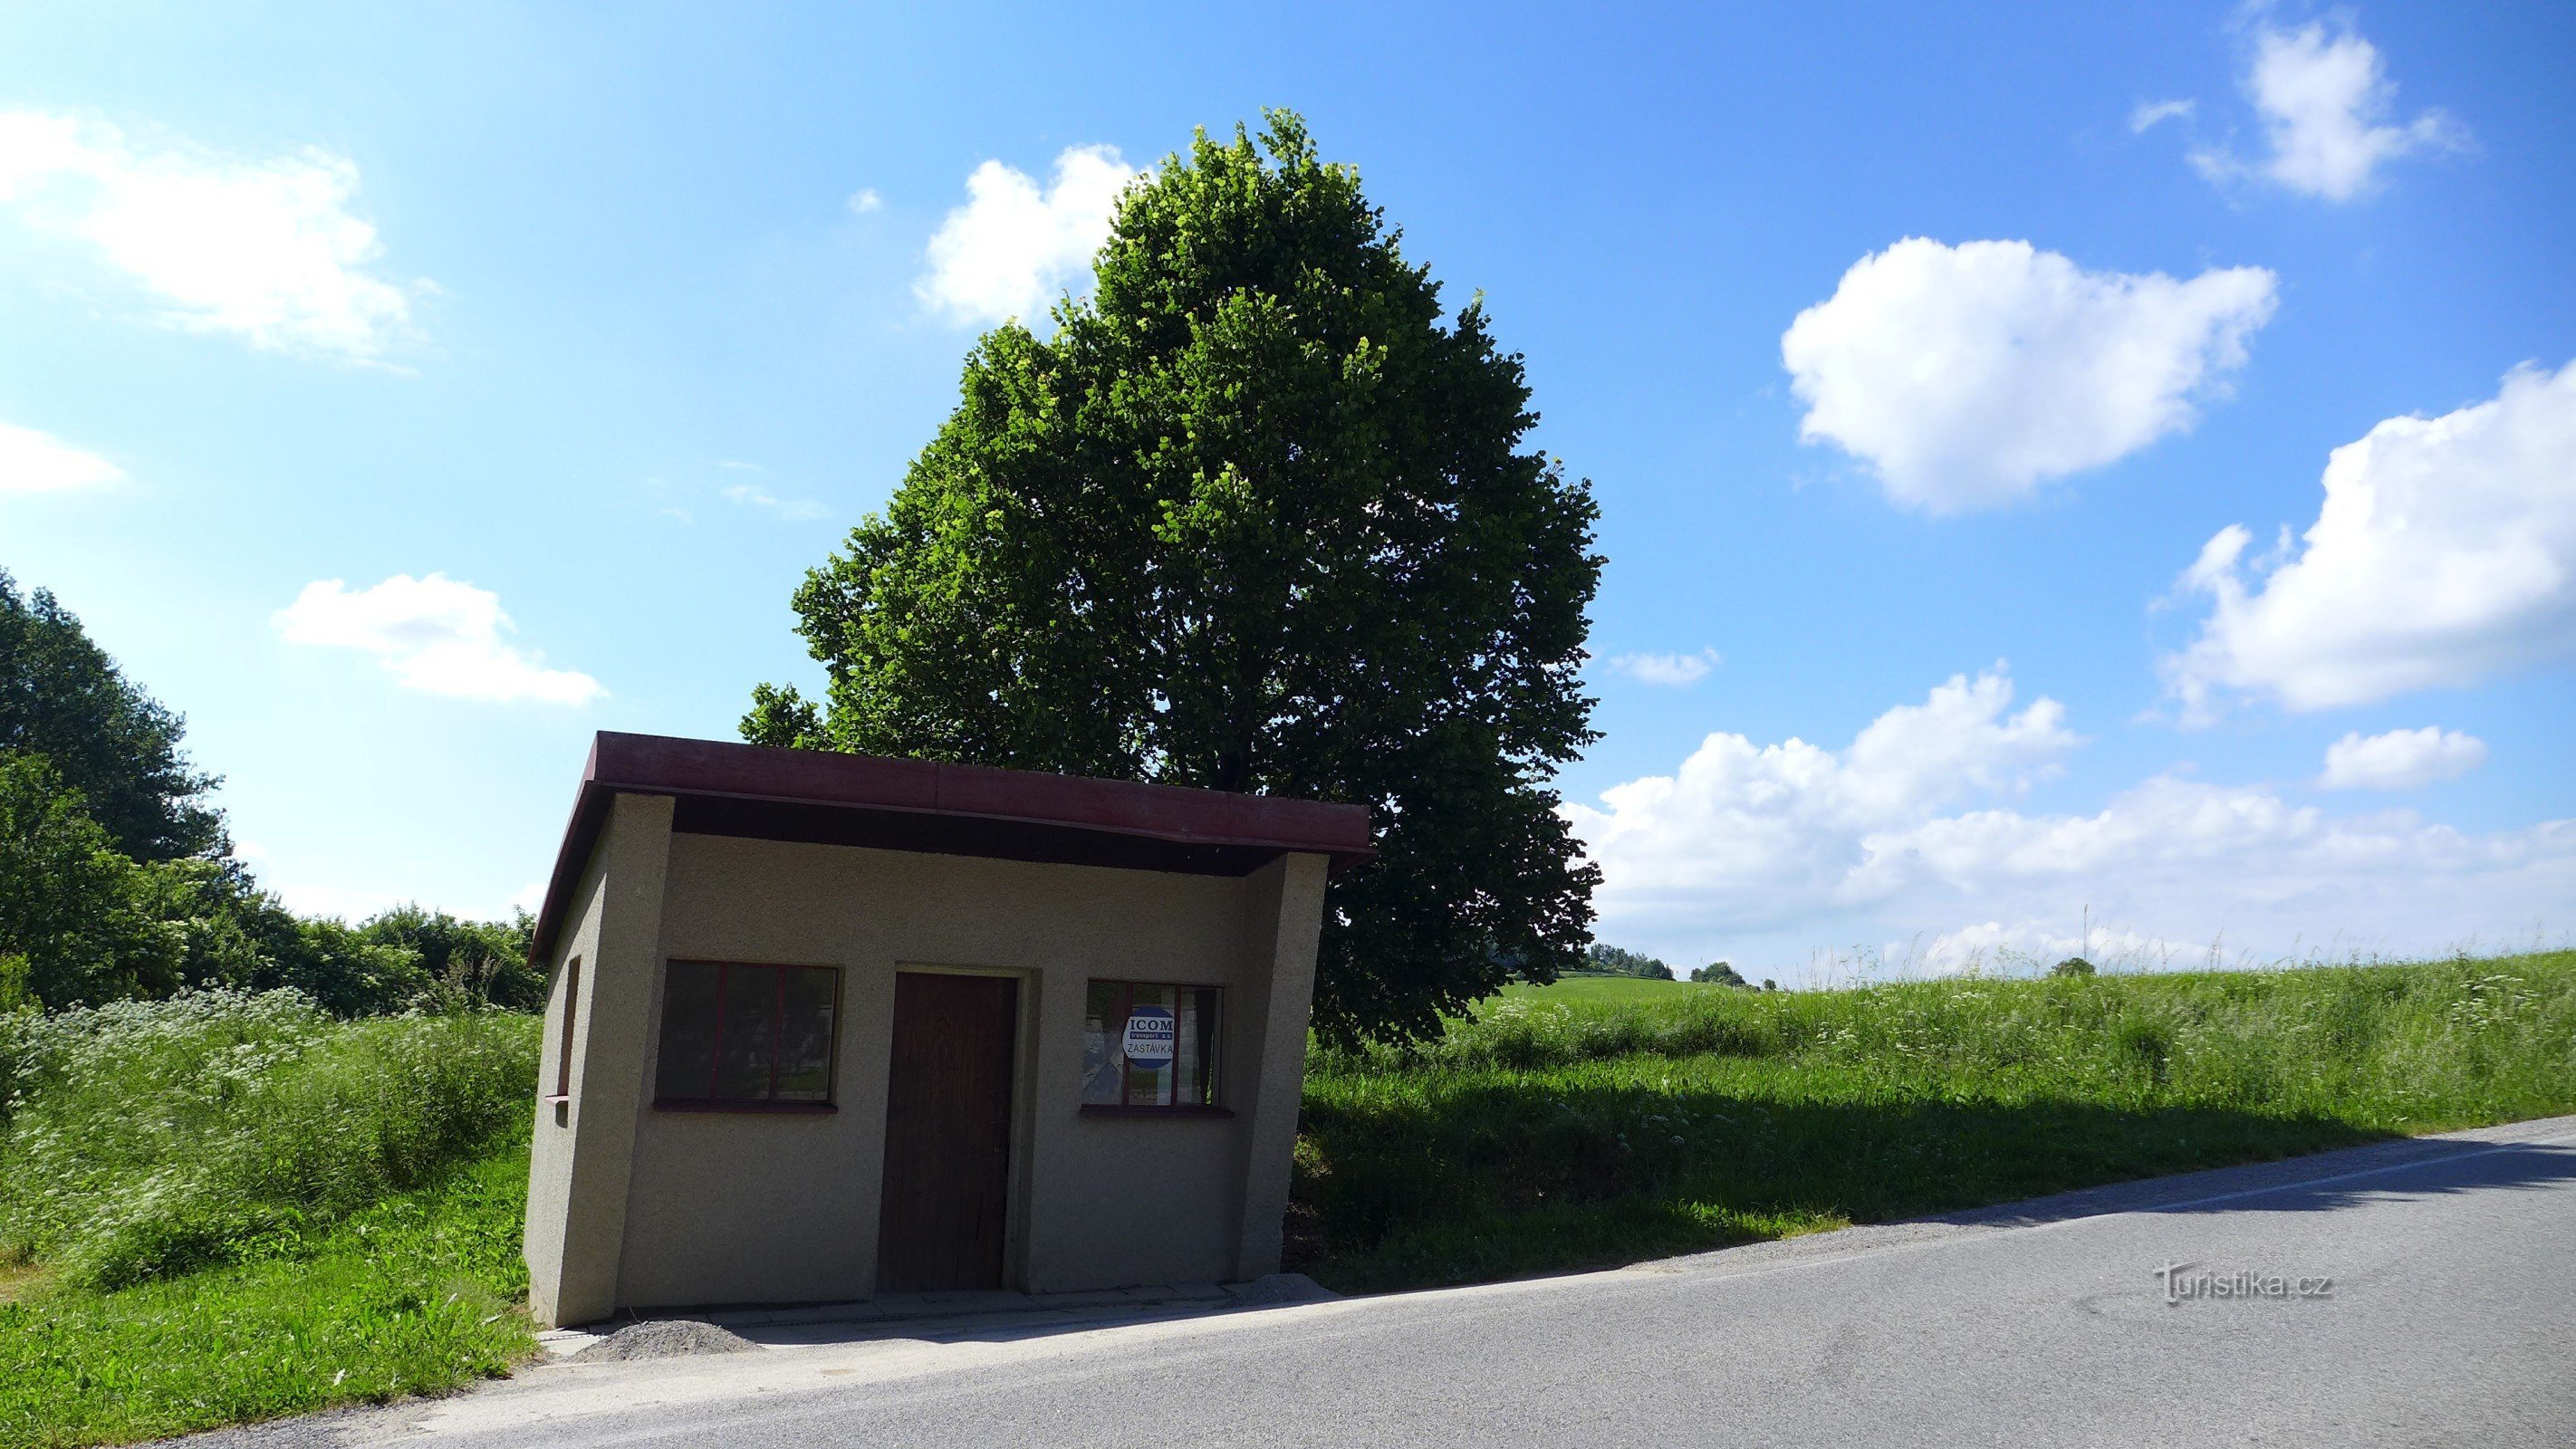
[(664, 1338), (20, 1281)]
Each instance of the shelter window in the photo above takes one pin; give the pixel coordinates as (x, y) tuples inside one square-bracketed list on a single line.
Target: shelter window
[(739, 1036), (1147, 1045), (572, 1007)]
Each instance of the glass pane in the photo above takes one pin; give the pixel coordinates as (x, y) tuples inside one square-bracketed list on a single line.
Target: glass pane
[(1202, 1039), (749, 1040), (805, 1041), (1100, 1068), (1185, 1054), (1149, 1039), (685, 1069)]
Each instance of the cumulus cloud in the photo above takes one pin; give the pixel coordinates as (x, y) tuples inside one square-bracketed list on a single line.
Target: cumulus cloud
[(1990, 944), (1742, 829), (865, 200), (1909, 838), (1911, 833), (2400, 759), (265, 249), (2444, 553), (1012, 247), (2325, 100), (1674, 670), (1968, 376), (436, 634), (34, 462)]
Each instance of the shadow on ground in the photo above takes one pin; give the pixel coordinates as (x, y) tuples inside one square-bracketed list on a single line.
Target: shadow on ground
[(1498, 1181)]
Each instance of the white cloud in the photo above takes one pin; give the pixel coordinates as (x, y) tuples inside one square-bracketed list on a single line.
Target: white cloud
[(263, 249), (34, 462), (1968, 376), (1760, 853), (865, 200), (754, 497), (436, 634), (1988, 945), (2400, 759), (1011, 248), (2151, 113), (1740, 829), (2325, 101), (2444, 553), (1675, 670)]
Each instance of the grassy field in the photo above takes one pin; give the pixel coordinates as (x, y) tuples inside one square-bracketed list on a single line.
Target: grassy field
[(225, 1208), (229, 1207), (416, 1294), (1604, 1120)]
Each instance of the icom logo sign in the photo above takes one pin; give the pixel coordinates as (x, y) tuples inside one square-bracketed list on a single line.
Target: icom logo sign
[(1147, 1043)]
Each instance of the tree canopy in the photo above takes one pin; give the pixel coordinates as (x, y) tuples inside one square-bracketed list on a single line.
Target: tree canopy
[(63, 698), (116, 880), (1259, 515)]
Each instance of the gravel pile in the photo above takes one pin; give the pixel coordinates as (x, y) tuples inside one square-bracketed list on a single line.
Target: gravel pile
[(664, 1338)]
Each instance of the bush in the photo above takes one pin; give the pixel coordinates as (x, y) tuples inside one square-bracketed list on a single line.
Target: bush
[(147, 1138)]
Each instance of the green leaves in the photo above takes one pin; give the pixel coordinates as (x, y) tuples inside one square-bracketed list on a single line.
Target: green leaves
[(62, 697), (1257, 516)]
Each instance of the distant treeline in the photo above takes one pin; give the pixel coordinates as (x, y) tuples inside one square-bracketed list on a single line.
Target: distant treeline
[(1601, 960), (118, 880)]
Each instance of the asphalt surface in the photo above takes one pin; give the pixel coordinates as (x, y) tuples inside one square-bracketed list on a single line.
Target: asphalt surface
[(2447, 1316)]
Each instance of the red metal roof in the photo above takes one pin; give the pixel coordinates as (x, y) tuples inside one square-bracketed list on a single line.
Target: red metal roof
[(833, 798)]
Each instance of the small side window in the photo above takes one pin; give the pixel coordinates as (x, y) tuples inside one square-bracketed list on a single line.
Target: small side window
[(1147, 1044), (571, 1020)]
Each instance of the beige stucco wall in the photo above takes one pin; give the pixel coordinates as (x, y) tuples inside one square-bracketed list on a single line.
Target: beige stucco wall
[(748, 1207), (577, 1164)]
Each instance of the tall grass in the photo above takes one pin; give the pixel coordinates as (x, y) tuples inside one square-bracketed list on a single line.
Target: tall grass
[(149, 1138), (415, 1294), (1547, 1131)]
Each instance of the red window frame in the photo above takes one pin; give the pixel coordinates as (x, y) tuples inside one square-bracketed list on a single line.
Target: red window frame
[(664, 1100), (563, 1050)]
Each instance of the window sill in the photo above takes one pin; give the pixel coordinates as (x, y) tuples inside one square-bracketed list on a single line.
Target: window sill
[(555, 1099), (792, 1109), (1105, 1109)]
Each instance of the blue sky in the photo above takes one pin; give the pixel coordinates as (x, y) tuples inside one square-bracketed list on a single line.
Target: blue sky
[(1921, 365)]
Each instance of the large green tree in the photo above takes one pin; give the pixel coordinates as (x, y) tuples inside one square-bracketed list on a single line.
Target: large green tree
[(70, 927), (1259, 515), (62, 697), (116, 879)]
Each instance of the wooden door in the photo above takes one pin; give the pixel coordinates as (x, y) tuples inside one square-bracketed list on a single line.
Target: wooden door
[(948, 1133)]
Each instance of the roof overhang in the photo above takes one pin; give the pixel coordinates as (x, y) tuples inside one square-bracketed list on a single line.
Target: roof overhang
[(824, 797)]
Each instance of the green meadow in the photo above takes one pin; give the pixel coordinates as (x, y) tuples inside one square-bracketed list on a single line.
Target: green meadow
[(224, 1207), (1604, 1120)]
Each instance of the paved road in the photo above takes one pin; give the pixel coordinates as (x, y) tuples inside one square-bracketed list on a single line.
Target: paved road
[(2448, 1317)]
